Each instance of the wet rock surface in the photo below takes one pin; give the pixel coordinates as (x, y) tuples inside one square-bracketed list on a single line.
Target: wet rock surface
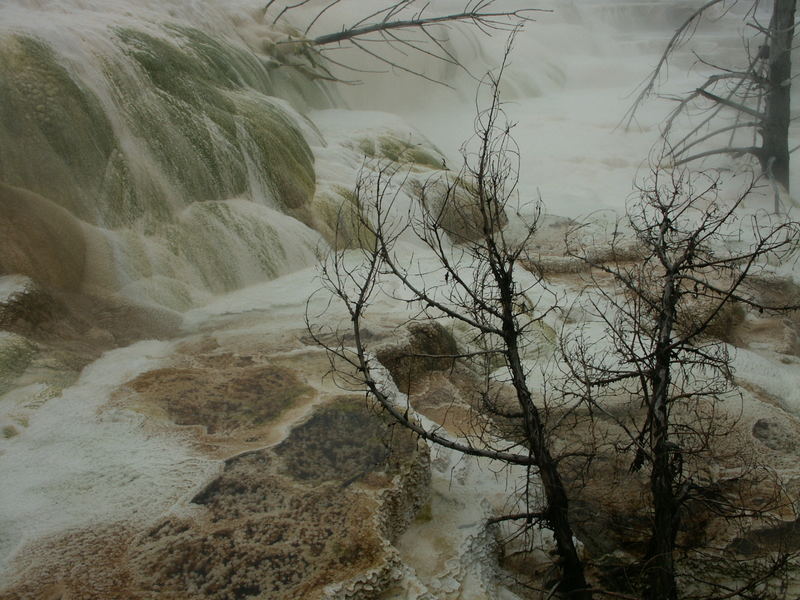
[(776, 434), (221, 399), (274, 528), (427, 347), (319, 509)]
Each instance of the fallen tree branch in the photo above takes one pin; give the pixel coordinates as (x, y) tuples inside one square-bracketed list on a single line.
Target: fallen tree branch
[(527, 516), (479, 18)]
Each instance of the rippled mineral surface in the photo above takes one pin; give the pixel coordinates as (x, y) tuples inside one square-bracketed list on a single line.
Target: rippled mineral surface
[(170, 177)]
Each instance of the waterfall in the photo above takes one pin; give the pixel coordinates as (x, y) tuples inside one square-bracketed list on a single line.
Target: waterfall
[(162, 153), (170, 172), (166, 149)]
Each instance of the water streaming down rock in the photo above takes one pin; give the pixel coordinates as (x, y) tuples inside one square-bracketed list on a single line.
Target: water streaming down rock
[(155, 157), (160, 157), (169, 145), (164, 152)]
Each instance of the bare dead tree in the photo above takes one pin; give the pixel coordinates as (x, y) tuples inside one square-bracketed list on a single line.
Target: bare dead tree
[(746, 103), (392, 30), (658, 306), (461, 223)]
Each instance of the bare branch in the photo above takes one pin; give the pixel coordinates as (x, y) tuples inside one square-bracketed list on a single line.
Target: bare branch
[(674, 43), (740, 107), (476, 17)]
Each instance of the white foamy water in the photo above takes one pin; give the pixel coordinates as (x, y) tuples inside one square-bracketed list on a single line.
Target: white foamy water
[(240, 251), (74, 465)]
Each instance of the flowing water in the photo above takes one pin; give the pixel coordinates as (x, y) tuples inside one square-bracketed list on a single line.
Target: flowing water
[(168, 157)]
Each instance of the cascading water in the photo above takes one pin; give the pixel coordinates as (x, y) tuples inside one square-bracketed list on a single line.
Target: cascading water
[(171, 155), (172, 136), (174, 151)]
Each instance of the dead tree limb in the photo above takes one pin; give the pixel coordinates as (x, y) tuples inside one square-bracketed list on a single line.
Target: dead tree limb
[(680, 35), (482, 292), (493, 19), (657, 349), (758, 89), (390, 23)]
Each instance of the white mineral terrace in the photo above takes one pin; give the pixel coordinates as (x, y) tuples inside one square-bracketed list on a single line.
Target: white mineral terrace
[(233, 264)]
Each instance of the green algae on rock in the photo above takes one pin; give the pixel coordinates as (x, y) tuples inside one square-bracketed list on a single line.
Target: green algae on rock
[(16, 353), (211, 115), (57, 127), (337, 216), (148, 154), (391, 146), (452, 201)]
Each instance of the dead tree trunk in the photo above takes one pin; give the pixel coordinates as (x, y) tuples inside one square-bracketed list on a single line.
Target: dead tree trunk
[(573, 579), (757, 90), (482, 292), (660, 560), (775, 131), (660, 352)]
